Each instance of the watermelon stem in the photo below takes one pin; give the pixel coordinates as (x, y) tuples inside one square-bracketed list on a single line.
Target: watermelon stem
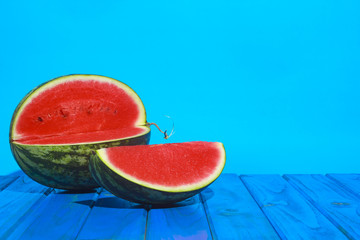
[(166, 136)]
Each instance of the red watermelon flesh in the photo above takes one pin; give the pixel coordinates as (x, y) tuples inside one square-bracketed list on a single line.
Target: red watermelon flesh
[(167, 167), (79, 109)]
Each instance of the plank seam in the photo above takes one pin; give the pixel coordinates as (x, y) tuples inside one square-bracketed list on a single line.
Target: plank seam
[(319, 208), (30, 211), (9, 183), (278, 232), (343, 186), (208, 217), (148, 208), (88, 214)]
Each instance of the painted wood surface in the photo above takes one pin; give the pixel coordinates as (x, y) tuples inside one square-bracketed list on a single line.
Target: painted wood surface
[(351, 182), (183, 220), (233, 213), (233, 207), (20, 198), (114, 218), (60, 216), (291, 215), (338, 205), (6, 181)]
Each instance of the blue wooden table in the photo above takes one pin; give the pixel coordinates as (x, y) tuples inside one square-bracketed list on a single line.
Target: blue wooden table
[(233, 207)]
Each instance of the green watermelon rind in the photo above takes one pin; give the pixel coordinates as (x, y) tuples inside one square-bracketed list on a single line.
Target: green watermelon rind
[(65, 166), (124, 187)]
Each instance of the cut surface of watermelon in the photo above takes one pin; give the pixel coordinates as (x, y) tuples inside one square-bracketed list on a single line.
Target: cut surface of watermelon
[(79, 109), (173, 167)]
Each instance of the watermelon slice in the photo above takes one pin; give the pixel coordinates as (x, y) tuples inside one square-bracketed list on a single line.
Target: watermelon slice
[(57, 125), (158, 174)]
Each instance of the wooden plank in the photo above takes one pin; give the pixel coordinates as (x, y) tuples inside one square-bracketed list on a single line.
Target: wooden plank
[(233, 213), (183, 220), (114, 218), (20, 198), (339, 206), (6, 181), (351, 182), (60, 216), (17, 173), (291, 215)]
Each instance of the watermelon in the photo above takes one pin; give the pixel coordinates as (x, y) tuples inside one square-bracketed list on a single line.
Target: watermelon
[(158, 174), (56, 126)]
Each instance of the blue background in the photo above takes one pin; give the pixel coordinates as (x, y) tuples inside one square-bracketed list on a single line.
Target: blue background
[(276, 81)]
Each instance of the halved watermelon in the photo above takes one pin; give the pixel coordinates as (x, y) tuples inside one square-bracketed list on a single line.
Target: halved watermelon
[(57, 125), (158, 174)]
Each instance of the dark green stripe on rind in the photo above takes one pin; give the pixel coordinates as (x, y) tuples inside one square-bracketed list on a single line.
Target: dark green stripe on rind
[(64, 166), (131, 191)]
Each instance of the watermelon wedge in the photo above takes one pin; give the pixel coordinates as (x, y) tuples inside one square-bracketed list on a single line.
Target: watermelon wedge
[(57, 125), (158, 174)]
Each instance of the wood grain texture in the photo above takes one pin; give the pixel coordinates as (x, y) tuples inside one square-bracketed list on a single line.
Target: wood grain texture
[(114, 218), (233, 213), (6, 181), (255, 207), (60, 216), (17, 173), (291, 215), (338, 205), (351, 182), (20, 198), (183, 220)]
